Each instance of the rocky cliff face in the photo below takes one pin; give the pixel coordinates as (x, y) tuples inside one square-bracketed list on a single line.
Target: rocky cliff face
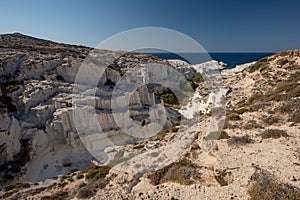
[(38, 138), (34, 99)]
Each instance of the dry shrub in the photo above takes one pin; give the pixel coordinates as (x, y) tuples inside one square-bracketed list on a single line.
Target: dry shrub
[(252, 124), (224, 135), (180, 172), (61, 195), (16, 186), (273, 133), (260, 65), (233, 116), (240, 140), (271, 120), (86, 192), (266, 187)]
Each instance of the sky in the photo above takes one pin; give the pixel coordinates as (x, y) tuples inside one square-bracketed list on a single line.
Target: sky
[(218, 25)]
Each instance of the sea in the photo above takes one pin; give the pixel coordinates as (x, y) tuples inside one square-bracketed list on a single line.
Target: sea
[(231, 59)]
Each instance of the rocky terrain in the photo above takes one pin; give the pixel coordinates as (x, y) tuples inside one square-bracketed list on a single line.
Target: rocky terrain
[(256, 155), (38, 137)]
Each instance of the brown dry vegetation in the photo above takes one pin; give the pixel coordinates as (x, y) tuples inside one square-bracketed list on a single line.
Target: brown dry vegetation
[(181, 172), (266, 187)]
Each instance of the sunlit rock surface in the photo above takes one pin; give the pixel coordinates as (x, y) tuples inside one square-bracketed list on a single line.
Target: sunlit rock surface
[(37, 80)]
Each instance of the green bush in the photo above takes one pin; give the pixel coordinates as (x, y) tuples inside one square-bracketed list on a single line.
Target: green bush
[(169, 98), (96, 172)]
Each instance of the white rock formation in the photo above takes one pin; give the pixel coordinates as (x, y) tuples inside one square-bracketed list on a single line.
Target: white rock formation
[(36, 104)]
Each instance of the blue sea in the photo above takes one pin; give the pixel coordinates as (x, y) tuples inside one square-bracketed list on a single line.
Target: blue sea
[(231, 59)]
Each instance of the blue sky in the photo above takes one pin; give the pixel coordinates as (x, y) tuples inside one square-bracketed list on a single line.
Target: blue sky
[(220, 26)]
